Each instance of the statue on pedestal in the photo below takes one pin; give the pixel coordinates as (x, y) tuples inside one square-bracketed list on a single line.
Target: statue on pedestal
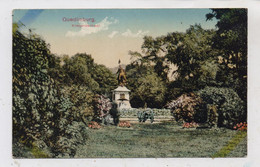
[(121, 77), (121, 94)]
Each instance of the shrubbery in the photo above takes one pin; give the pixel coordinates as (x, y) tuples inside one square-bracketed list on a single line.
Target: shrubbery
[(146, 114), (189, 108), (102, 106), (133, 112), (114, 113), (79, 100), (221, 106), (68, 142), (44, 118), (230, 107)]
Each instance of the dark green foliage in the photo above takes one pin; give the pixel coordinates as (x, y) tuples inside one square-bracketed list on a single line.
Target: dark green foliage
[(80, 70), (80, 101), (146, 114), (153, 49), (192, 54), (231, 38), (19, 150), (114, 113), (35, 98), (194, 57), (147, 87), (230, 107), (105, 79), (77, 71), (41, 112), (56, 71), (215, 106), (67, 144), (216, 58), (232, 29)]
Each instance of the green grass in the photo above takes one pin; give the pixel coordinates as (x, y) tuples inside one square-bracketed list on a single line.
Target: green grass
[(231, 145), (157, 140)]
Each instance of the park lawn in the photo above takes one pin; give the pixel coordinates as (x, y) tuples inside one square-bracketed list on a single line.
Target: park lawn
[(163, 140)]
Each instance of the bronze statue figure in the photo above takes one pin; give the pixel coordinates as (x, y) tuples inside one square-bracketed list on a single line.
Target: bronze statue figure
[(121, 78)]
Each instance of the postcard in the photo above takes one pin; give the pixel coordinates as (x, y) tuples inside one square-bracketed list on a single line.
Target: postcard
[(143, 86), (129, 83)]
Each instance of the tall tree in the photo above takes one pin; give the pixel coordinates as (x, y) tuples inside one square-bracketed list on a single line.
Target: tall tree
[(155, 53), (148, 89), (77, 70), (105, 79), (193, 55), (232, 29), (231, 37)]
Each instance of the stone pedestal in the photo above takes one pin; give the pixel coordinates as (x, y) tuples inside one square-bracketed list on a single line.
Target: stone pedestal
[(121, 96)]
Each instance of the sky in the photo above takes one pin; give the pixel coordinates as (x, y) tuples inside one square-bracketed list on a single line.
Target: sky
[(106, 34)]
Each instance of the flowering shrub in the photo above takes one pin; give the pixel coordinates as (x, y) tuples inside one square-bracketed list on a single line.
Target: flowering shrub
[(190, 125), (102, 105), (124, 124), (94, 125), (187, 107), (241, 126)]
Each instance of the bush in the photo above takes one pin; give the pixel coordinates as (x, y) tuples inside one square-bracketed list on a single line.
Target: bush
[(80, 101), (102, 106), (115, 113), (146, 114), (230, 107), (43, 117), (189, 108), (68, 140)]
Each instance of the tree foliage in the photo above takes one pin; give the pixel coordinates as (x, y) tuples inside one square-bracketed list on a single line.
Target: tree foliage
[(41, 112), (216, 58), (191, 52), (80, 70), (232, 29), (194, 57), (231, 38), (147, 87)]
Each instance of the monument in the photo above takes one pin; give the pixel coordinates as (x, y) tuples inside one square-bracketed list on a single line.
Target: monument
[(121, 94)]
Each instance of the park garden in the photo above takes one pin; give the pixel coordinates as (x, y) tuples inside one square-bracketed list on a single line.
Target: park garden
[(62, 105)]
